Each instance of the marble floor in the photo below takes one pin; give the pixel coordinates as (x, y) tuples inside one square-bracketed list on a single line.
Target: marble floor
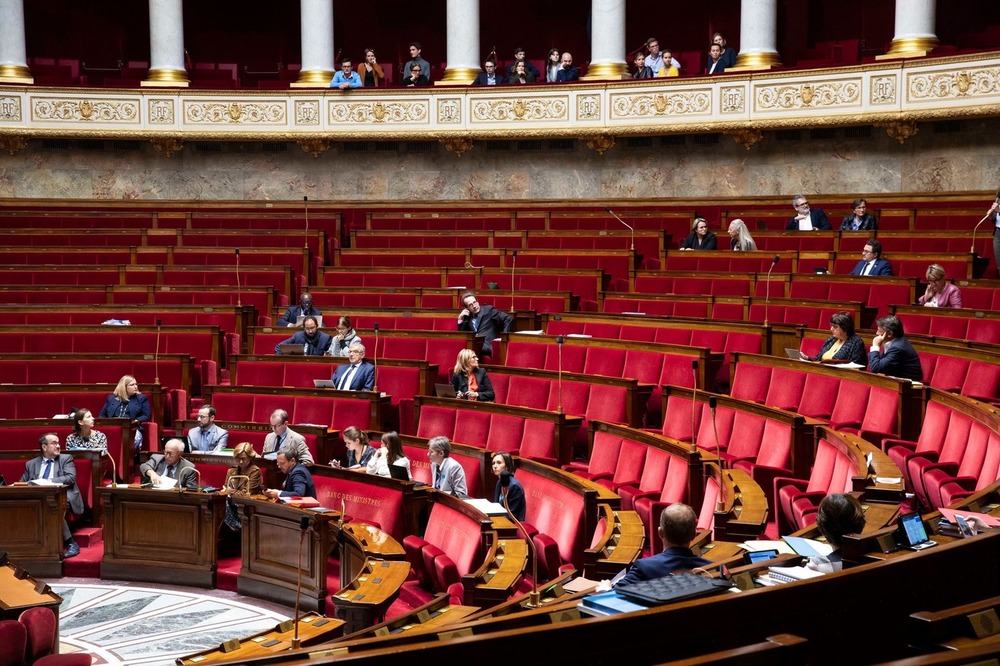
[(121, 623)]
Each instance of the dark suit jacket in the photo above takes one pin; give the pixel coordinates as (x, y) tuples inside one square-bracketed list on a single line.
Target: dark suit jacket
[(868, 223), (881, 267), (900, 360), (136, 409), (483, 77), (315, 349), (571, 74), (816, 216), (662, 564), (709, 242), (719, 68), (363, 379), (158, 463), (485, 391), (515, 498), (492, 323), (64, 472), (292, 314), (299, 482), (529, 67), (422, 80)]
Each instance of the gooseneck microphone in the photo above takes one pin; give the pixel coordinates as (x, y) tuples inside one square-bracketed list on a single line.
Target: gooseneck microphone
[(303, 528), (767, 286), (305, 211), (534, 599), (993, 209), (239, 301), (156, 353), (694, 404), (513, 285), (559, 343), (629, 226), (721, 504), (375, 358)]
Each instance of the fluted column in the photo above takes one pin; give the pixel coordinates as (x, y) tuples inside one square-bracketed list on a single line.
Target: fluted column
[(317, 44), (463, 43), (13, 54), (607, 51), (166, 45), (758, 35), (914, 35)]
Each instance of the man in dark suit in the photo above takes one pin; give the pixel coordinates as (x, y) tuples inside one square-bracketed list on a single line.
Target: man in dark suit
[(483, 320), (891, 353), (298, 480), (528, 65), (567, 72), (676, 530), (489, 77), (303, 309), (57, 468), (170, 465), (806, 219), (872, 262), (316, 341), (355, 375)]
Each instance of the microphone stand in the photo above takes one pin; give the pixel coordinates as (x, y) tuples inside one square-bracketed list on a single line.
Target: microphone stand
[(375, 358), (156, 355), (767, 287), (305, 210), (239, 302), (513, 262), (694, 404), (612, 213), (534, 598), (721, 504), (180, 475), (114, 468), (303, 527), (985, 217), (559, 344)]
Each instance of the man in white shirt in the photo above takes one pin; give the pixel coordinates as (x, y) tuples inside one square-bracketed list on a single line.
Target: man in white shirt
[(355, 375), (655, 59)]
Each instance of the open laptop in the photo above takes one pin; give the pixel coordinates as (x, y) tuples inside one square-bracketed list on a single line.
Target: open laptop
[(399, 473), (301, 318), (292, 349), (913, 534), (793, 354), (445, 391), (324, 383)]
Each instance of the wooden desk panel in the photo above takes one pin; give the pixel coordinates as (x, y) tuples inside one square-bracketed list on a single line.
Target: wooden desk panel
[(365, 599), (313, 630), (31, 529)]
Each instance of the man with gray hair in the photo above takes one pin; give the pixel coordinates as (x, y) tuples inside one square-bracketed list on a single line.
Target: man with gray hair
[(891, 353), (355, 375), (170, 465), (807, 219)]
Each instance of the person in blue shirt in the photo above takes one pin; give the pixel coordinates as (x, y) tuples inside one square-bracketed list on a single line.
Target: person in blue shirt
[(345, 78)]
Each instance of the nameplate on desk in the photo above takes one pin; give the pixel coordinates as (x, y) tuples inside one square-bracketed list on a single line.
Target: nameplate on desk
[(377, 581), (985, 623), (229, 646), (271, 643), (423, 616), (359, 597)]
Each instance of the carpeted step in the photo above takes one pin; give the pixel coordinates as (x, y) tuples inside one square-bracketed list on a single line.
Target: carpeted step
[(227, 572), (88, 536), (87, 564)]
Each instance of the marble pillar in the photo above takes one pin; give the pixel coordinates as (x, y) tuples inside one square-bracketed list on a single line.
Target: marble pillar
[(13, 53), (758, 35), (914, 35), (166, 45), (463, 43), (317, 44), (607, 57)]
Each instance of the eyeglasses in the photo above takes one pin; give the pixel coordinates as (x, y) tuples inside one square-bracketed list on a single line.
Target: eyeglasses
[(801, 204)]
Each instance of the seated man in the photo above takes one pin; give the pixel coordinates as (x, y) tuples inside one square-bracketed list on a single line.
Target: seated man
[(567, 72), (346, 79), (284, 437), (839, 514), (483, 320), (806, 219), (171, 465), (57, 468), (298, 480), (355, 375), (872, 262), (677, 530), (207, 437), (891, 353), (490, 76), (529, 66), (316, 341), (303, 309)]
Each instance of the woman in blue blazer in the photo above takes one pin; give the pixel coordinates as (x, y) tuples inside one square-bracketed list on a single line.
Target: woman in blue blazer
[(127, 403)]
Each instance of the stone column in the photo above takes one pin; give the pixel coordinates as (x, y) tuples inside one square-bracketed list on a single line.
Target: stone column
[(914, 34), (463, 43), (607, 52), (166, 45), (758, 35), (317, 44), (13, 53)]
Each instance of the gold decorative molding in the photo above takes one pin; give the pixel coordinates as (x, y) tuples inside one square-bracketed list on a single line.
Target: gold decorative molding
[(380, 111), (13, 144), (749, 62), (748, 138), (449, 111), (817, 94), (588, 108), (19, 74), (909, 47), (954, 85), (732, 99), (520, 109), (601, 143), (900, 130), (168, 146), (166, 78), (70, 109), (315, 147), (10, 109), (457, 146), (606, 71), (313, 78), (883, 90), (306, 112), (457, 76), (160, 111), (683, 102), (220, 112)]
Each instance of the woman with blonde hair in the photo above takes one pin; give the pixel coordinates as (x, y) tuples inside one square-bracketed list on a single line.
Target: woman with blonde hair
[(243, 479), (700, 237), (940, 292), (391, 453), (127, 403), (470, 381), (740, 238)]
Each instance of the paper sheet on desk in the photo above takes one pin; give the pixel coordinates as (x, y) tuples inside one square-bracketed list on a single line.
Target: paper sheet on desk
[(487, 507), (847, 366), (780, 546), (165, 483), (43, 482)]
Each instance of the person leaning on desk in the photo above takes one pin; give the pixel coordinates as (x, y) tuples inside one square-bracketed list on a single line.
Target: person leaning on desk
[(170, 464)]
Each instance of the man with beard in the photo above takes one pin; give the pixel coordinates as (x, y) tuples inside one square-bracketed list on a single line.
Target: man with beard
[(316, 342)]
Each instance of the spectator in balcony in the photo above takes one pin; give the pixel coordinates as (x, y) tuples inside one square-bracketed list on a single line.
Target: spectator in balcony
[(417, 78), (872, 262), (447, 474), (315, 341), (715, 64), (489, 77), (529, 67), (503, 464), (345, 337), (281, 436), (839, 514), (940, 293), (207, 437), (346, 78), (84, 436), (391, 453), (416, 58), (728, 54), (567, 72), (669, 68), (469, 380), (371, 72), (678, 527), (740, 239), (552, 65), (484, 320), (700, 237), (843, 343), (303, 309), (521, 74), (859, 219), (127, 403), (806, 219), (657, 61), (642, 70), (359, 450), (891, 353)]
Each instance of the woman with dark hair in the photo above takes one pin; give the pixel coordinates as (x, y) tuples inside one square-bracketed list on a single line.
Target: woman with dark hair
[(83, 435), (359, 451), (127, 403), (839, 514), (700, 237), (391, 453), (520, 75), (345, 337), (843, 344), (514, 492), (859, 219), (552, 65)]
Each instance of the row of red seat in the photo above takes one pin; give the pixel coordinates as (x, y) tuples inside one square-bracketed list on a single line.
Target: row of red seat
[(280, 278), (316, 407)]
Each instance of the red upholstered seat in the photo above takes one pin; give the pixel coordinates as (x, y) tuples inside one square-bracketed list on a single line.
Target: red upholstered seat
[(796, 500), (13, 639), (603, 458), (606, 362), (774, 457), (751, 382), (445, 573), (654, 474), (522, 354), (785, 389), (745, 437), (937, 426), (430, 554), (414, 546), (506, 433), (967, 470), (677, 421), (819, 396), (472, 427), (628, 470), (723, 423), (40, 624), (528, 392), (982, 381), (650, 506), (436, 421), (539, 442)]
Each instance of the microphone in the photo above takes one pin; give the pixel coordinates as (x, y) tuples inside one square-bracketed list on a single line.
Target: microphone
[(375, 358), (767, 286), (303, 528), (721, 504), (513, 262), (189, 470), (612, 214), (114, 468), (991, 211), (534, 599), (305, 210), (559, 343), (156, 354), (239, 302), (694, 404)]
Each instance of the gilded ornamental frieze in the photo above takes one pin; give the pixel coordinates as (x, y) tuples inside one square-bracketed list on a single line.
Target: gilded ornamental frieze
[(10, 109), (407, 111), (956, 85), (68, 109), (521, 108), (659, 104), (235, 112), (808, 95)]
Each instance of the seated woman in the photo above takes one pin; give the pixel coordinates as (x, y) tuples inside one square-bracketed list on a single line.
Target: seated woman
[(940, 292), (243, 479), (391, 453), (359, 451), (740, 239), (520, 75), (84, 436), (470, 381), (346, 336), (839, 514), (447, 475), (700, 237), (859, 219), (514, 492), (127, 403), (843, 344)]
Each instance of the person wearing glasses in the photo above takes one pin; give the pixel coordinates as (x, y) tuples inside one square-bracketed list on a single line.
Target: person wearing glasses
[(447, 475), (416, 78), (872, 262), (346, 78), (355, 375), (345, 337), (859, 219), (484, 320), (806, 219), (415, 58), (469, 380)]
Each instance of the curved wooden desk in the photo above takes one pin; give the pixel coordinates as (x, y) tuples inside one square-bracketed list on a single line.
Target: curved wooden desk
[(31, 530)]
